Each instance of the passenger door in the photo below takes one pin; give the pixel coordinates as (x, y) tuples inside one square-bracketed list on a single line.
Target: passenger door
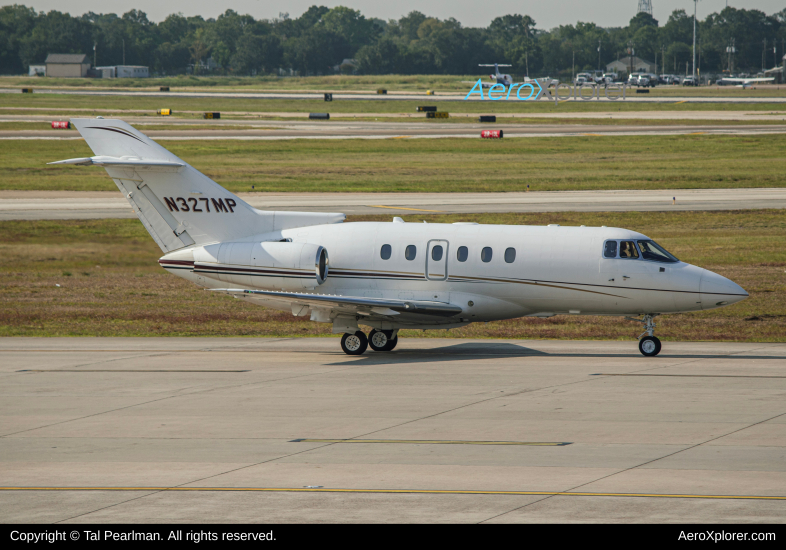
[(437, 260)]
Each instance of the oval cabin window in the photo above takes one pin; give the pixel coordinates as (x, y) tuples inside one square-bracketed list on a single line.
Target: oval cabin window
[(436, 253), (411, 252), (385, 252), (485, 254), (510, 255), (462, 254)]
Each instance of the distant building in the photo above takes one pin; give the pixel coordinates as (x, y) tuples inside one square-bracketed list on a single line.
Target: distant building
[(624, 66), (37, 70), (122, 71), (67, 65)]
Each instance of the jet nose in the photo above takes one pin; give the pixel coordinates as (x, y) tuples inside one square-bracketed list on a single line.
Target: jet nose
[(718, 291)]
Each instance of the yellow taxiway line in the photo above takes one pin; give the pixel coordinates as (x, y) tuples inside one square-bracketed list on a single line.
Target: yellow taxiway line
[(401, 208), (394, 491), (435, 442)]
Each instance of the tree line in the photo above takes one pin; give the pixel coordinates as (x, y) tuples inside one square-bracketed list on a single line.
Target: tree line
[(320, 39)]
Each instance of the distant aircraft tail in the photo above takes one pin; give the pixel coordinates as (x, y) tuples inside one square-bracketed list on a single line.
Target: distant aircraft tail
[(178, 205)]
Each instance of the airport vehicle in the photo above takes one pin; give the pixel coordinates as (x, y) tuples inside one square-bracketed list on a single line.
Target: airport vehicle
[(690, 81), (584, 78), (393, 275)]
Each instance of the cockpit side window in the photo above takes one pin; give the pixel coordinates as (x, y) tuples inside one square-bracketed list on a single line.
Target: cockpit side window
[(610, 249), (652, 251), (628, 250)]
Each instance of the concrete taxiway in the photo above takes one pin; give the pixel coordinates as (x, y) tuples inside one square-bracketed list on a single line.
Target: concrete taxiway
[(440, 430), (61, 205)]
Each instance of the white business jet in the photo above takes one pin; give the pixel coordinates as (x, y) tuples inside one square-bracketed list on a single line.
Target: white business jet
[(499, 78), (393, 275), (743, 82)]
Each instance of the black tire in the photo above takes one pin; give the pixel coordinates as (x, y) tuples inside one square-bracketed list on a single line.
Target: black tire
[(380, 340), (354, 344), (649, 346), (391, 343)]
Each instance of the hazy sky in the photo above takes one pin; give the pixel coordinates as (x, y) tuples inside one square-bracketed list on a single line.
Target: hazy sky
[(547, 14)]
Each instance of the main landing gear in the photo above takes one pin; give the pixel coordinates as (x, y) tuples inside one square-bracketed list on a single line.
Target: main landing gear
[(649, 345), (379, 340)]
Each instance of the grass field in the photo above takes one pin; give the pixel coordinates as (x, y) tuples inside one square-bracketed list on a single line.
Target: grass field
[(193, 107), (344, 83), (435, 165), (111, 284)]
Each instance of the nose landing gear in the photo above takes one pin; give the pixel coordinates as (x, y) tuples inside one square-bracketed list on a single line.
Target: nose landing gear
[(649, 345)]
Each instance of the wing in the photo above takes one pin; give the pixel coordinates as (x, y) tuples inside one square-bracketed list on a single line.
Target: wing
[(365, 306)]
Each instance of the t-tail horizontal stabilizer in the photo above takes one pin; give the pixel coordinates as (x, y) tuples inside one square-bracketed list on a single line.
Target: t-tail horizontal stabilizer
[(114, 161), (178, 205)]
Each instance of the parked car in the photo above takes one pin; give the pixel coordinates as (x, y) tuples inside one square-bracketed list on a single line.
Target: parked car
[(689, 81)]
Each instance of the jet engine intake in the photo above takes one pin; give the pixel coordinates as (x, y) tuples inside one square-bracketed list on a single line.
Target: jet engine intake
[(264, 265)]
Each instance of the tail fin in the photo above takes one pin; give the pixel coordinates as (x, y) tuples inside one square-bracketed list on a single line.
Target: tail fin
[(178, 205)]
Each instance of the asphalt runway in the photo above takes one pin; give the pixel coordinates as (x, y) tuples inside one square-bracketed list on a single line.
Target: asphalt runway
[(630, 95), (440, 430), (63, 205), (349, 129)]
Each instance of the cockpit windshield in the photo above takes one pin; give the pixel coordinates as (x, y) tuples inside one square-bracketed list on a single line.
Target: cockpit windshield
[(650, 250)]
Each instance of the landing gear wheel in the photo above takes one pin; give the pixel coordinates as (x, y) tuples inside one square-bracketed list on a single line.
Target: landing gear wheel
[(354, 344), (380, 340), (649, 346)]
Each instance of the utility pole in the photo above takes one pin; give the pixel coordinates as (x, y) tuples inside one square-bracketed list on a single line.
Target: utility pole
[(599, 53), (763, 53), (573, 69), (124, 51), (94, 54), (730, 50), (695, 4)]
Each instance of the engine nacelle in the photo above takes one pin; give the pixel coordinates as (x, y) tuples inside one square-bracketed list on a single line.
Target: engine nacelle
[(265, 265)]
